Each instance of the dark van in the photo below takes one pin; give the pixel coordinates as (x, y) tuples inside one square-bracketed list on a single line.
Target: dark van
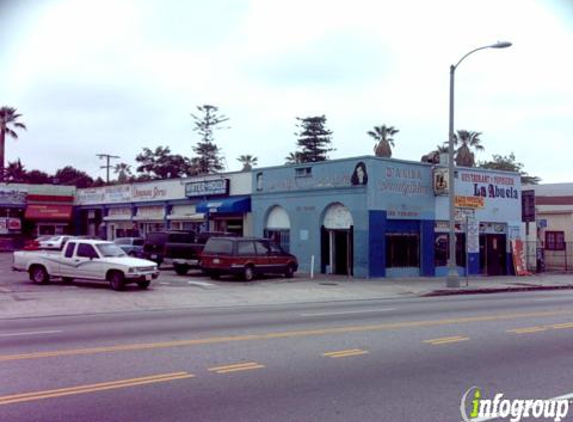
[(167, 244), (246, 257)]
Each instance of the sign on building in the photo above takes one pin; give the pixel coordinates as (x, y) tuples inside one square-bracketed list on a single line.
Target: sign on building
[(207, 188)]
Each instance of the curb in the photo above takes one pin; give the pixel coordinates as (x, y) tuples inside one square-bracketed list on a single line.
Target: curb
[(493, 290)]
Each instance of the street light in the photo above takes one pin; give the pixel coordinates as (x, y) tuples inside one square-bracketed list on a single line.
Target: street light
[(452, 279)]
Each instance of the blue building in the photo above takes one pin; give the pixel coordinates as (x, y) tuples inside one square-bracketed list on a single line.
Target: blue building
[(377, 217)]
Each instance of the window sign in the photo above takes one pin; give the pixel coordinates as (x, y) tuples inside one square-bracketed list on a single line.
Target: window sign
[(207, 188)]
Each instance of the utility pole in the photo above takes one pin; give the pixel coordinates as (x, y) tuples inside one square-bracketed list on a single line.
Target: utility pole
[(107, 166)]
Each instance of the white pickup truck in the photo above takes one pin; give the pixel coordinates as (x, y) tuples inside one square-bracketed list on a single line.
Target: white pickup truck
[(87, 259)]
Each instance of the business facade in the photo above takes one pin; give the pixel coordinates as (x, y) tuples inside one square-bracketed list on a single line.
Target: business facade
[(376, 217), (35, 210), (214, 202)]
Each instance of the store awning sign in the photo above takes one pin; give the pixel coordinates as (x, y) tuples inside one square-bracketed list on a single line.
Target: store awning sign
[(207, 188), (48, 212)]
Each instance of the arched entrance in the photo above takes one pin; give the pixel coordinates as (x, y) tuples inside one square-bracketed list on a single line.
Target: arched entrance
[(277, 227), (337, 241)]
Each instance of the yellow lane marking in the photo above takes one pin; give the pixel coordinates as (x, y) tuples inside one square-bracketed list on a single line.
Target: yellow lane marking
[(91, 388), (527, 330), (562, 326), (345, 353), (446, 340), (236, 367), (280, 335), (540, 328)]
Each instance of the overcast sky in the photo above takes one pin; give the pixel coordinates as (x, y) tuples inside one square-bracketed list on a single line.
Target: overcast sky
[(114, 76)]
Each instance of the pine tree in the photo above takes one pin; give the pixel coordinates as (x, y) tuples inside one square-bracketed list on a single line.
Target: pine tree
[(314, 139), (208, 159)]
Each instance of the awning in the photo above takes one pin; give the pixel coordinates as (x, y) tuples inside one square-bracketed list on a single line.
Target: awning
[(226, 205), (48, 212), (198, 216)]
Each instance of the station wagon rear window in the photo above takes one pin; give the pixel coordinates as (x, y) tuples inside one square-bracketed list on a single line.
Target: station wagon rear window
[(219, 246)]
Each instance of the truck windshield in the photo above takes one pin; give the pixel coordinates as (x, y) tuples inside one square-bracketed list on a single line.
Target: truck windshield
[(110, 250)]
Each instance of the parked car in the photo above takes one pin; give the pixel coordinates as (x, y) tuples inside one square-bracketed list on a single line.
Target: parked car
[(178, 247), (86, 259), (56, 242), (132, 246), (246, 257)]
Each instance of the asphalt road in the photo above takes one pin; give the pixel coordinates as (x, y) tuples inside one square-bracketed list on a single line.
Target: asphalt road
[(379, 360)]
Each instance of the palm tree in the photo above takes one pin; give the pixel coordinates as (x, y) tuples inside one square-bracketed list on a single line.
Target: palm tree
[(15, 172), (248, 161), (8, 117), (123, 171), (293, 158), (384, 141), (468, 139)]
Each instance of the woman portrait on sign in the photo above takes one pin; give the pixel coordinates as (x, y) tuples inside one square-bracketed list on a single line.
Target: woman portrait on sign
[(359, 176)]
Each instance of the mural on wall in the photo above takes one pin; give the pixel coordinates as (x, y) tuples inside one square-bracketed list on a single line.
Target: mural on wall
[(359, 175)]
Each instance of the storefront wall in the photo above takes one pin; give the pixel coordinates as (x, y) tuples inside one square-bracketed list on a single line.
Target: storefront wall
[(489, 221), (161, 205), (399, 224)]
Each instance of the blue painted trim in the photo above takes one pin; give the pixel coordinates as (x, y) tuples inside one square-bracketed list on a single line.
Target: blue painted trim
[(473, 263), (377, 243), (427, 248), (403, 272), (403, 226)]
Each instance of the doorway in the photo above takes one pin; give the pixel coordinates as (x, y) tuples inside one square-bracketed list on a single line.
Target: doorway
[(337, 254), (492, 248)]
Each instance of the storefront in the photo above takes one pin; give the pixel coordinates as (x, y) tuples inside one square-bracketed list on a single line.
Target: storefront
[(376, 217), (217, 202), (12, 209)]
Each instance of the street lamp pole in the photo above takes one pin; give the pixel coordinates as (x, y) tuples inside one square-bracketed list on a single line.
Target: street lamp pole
[(453, 279)]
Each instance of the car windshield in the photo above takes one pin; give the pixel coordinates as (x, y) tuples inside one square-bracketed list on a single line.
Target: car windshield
[(110, 250)]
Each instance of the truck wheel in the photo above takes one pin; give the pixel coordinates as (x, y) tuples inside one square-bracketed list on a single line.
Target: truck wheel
[(249, 273), (289, 271), (143, 284), (116, 280), (38, 274), (181, 269)]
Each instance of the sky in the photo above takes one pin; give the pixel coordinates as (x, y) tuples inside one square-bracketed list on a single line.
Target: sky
[(115, 76)]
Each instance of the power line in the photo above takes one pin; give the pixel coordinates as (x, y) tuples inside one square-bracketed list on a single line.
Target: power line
[(107, 166)]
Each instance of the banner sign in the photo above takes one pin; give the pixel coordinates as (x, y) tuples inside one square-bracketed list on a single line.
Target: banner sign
[(518, 256), (207, 188), (528, 206), (469, 201)]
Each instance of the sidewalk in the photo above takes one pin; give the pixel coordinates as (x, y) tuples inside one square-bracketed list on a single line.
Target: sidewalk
[(174, 292)]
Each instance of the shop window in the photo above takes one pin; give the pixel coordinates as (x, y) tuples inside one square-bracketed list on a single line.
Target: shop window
[(554, 241), (280, 237), (442, 249), (402, 250)]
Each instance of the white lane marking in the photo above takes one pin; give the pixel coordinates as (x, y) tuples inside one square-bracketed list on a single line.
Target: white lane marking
[(30, 333), (564, 397), (200, 283), (363, 311)]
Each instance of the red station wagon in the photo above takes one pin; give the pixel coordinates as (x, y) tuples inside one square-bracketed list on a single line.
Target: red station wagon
[(246, 257)]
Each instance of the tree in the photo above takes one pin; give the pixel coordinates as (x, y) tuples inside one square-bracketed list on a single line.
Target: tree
[(8, 119), (293, 158), (123, 171), (37, 177), (161, 164), (468, 139), (71, 176), (314, 139), (15, 172), (248, 161), (384, 141), (509, 163), (208, 158), (433, 157)]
